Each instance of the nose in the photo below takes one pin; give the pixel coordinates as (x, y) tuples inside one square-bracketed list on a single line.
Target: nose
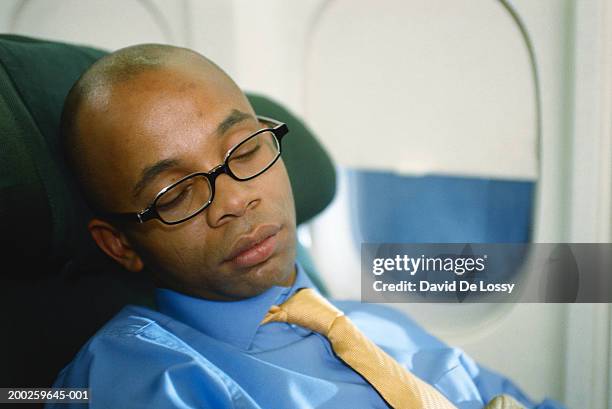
[(232, 199)]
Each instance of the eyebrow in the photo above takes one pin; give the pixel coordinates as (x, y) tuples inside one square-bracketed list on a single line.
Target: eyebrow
[(235, 117), (149, 173)]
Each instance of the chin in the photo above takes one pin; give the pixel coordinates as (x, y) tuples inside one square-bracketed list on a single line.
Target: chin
[(272, 273)]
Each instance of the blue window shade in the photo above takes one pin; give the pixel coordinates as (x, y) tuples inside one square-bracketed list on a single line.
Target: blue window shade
[(391, 208)]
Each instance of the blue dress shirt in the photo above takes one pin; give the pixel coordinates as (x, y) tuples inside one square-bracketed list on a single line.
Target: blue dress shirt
[(197, 353)]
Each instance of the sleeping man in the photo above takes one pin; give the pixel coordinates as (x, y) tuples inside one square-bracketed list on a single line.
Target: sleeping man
[(189, 187)]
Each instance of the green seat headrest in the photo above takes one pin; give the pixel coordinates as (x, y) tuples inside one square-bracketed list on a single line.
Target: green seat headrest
[(42, 214)]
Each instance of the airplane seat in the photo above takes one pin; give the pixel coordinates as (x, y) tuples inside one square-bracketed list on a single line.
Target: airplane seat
[(56, 287)]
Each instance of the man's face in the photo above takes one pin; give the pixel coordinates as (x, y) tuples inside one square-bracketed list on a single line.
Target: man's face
[(178, 121)]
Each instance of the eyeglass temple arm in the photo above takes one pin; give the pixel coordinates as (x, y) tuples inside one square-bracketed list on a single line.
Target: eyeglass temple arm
[(268, 120), (137, 217), (280, 127)]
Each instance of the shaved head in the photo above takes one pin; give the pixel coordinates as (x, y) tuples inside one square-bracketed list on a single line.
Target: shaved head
[(93, 91)]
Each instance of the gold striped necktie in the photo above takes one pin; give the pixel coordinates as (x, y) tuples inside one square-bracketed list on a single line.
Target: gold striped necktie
[(400, 388)]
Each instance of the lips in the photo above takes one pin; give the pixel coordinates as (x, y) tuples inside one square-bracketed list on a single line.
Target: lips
[(254, 248)]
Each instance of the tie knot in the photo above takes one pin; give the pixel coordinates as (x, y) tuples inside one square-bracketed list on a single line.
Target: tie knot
[(305, 308)]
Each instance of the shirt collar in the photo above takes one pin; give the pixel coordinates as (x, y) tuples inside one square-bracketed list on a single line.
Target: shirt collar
[(234, 322)]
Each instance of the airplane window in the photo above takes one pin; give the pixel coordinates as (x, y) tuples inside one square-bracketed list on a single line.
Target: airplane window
[(439, 209)]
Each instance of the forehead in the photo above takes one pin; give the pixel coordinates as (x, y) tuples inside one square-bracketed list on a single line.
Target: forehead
[(160, 114), (168, 97)]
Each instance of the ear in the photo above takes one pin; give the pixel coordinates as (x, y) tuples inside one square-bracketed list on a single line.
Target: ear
[(115, 244)]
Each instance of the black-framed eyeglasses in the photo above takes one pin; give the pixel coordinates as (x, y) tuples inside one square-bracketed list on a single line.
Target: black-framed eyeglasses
[(190, 195)]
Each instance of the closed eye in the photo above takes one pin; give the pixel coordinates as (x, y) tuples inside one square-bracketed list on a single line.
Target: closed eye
[(246, 150), (247, 154), (174, 197)]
